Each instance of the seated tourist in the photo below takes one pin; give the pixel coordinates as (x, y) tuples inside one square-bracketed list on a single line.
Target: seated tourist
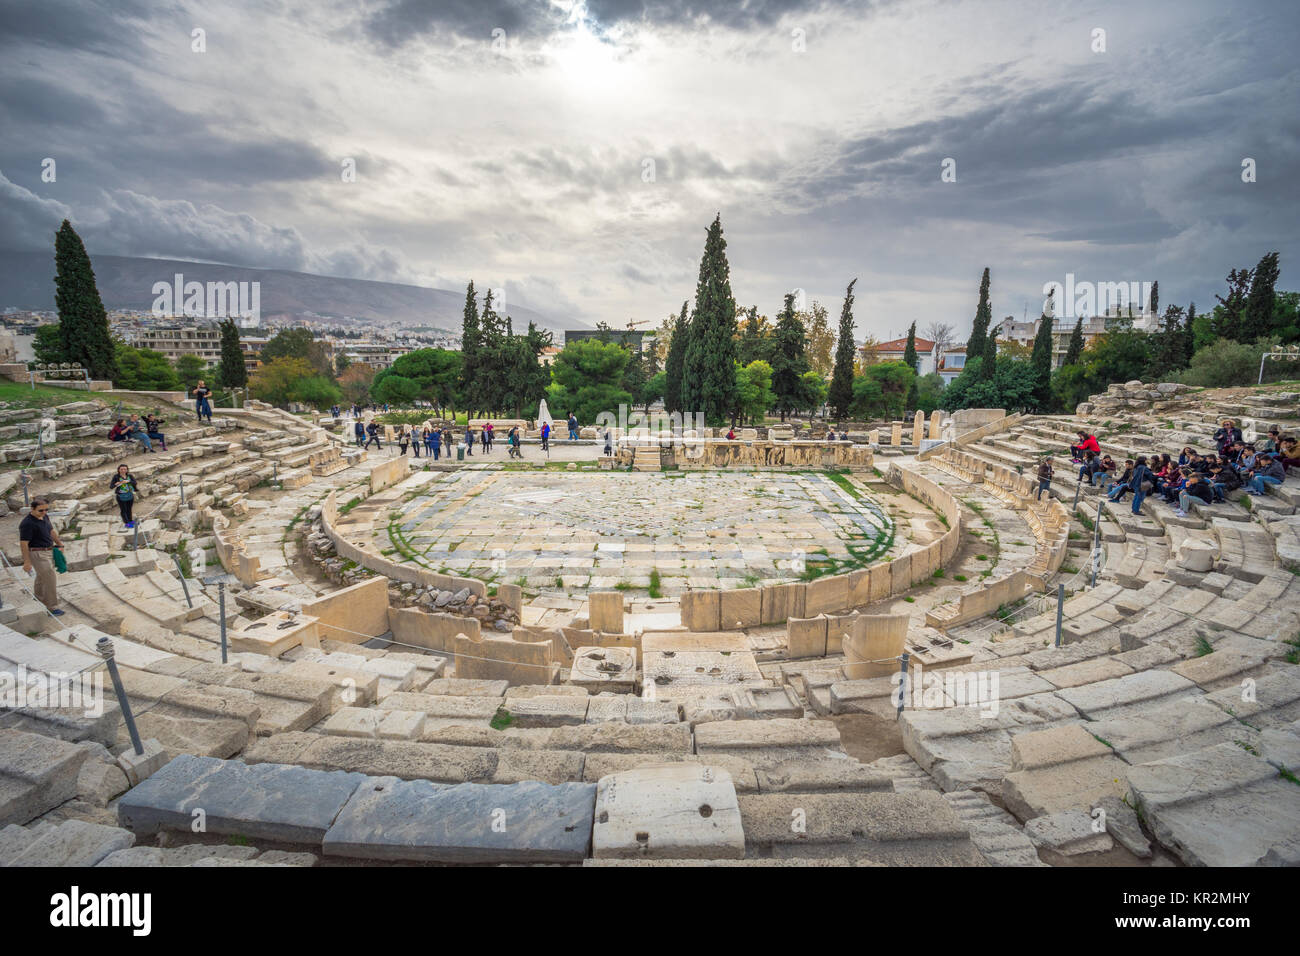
[(1224, 479), (1267, 472), (1122, 482), (118, 431), (135, 430), (1227, 434), (1106, 473), (1185, 455), (153, 428), (1196, 487), (1086, 443), (1091, 465)]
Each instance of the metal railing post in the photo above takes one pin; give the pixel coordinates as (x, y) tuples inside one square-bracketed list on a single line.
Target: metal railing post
[(105, 648), (221, 605), (188, 600), (1060, 611), (181, 479), (27, 502), (902, 686), (135, 535), (1077, 489)]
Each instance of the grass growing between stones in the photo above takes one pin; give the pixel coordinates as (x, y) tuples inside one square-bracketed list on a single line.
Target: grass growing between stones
[(501, 719), (1203, 646), (349, 506), (655, 584)]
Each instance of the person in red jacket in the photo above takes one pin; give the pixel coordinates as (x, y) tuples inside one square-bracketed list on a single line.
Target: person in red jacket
[(1087, 443)]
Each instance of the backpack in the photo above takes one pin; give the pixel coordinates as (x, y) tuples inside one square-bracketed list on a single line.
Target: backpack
[(124, 491)]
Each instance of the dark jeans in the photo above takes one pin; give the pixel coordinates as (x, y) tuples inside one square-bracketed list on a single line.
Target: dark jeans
[(125, 508), (1044, 484)]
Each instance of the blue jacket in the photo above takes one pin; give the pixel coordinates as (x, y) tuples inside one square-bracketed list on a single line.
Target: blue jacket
[(1141, 473)]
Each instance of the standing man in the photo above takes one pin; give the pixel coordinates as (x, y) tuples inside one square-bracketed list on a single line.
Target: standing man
[(360, 430), (1044, 479), (201, 406), (573, 427), (546, 436), (38, 539)]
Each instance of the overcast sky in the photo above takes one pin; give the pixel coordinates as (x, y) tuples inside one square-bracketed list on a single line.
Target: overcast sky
[(577, 153)]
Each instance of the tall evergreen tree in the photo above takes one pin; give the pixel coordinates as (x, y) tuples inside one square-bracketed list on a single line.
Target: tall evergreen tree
[(1257, 317), (231, 373), (1155, 299), (83, 322), (789, 359), (675, 363), (989, 365), (1189, 337), (840, 395), (1165, 347), (1074, 351), (709, 366), (471, 347), (494, 358), (1041, 360), (753, 345), (1227, 318), (983, 316), (909, 359)]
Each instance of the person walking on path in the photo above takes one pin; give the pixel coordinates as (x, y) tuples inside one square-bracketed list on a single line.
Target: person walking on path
[(403, 439), (38, 540), (202, 408), (125, 491), (609, 443), (359, 429), (372, 430), (573, 427), (446, 442), (469, 441), (433, 442), (1044, 479), (546, 436), (489, 436)]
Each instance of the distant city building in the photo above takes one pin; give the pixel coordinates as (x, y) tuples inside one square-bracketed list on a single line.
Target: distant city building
[(894, 350), (174, 341), (1092, 327), (951, 363)]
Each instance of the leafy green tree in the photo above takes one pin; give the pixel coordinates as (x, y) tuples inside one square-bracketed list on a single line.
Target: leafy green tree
[(145, 370), (675, 362), (191, 368), (929, 392), (653, 390), (587, 378), (634, 377), (789, 362), (754, 386), (1166, 345), (1257, 316), (821, 341), (1226, 363), (355, 382), (47, 344), (319, 391), (394, 389), (300, 343), (975, 345), (275, 380), (812, 390), (840, 394), (83, 322), (231, 372), (881, 391), (709, 375)]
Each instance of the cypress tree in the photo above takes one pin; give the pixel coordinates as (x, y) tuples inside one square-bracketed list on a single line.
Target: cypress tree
[(674, 362), (231, 373), (1189, 338), (983, 316), (989, 365), (83, 322), (1155, 298), (1075, 350), (494, 350), (709, 373), (1228, 319), (840, 395), (909, 359), (789, 358), (471, 344), (1041, 360), (1257, 317)]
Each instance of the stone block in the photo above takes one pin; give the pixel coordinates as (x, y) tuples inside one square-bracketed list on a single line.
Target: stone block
[(37, 773), (740, 608), (701, 610), (353, 614), (826, 594), (287, 804), (780, 602), (685, 811), (392, 819), (606, 611), (806, 637)]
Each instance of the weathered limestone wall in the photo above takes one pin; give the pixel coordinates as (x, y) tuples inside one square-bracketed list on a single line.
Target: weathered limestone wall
[(971, 435), (388, 473), (703, 454), (353, 614), (773, 604)]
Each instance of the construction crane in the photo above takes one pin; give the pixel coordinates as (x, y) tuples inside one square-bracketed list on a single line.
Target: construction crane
[(631, 326)]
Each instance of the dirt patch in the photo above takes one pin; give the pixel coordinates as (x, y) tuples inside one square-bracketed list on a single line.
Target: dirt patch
[(867, 737)]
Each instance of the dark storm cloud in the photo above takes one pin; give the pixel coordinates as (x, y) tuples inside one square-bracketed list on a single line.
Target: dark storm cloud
[(102, 26)]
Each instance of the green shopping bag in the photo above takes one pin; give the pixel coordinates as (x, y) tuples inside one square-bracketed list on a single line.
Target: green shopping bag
[(60, 562)]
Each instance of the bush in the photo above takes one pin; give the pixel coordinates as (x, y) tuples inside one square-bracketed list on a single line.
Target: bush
[(1226, 363)]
